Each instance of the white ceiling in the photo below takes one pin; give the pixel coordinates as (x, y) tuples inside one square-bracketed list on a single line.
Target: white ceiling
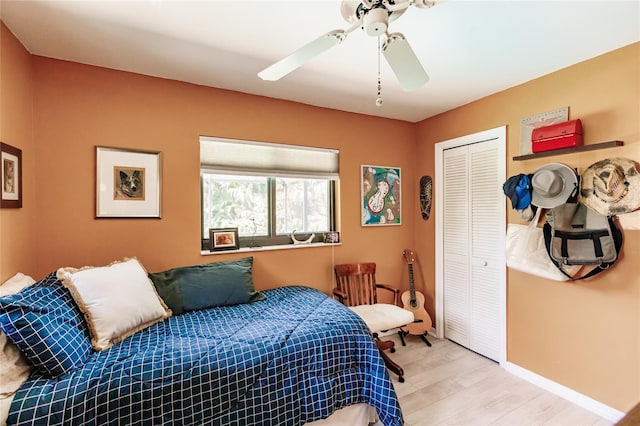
[(470, 49)]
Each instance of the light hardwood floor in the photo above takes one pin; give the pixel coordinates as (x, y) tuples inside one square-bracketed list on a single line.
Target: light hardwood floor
[(450, 385)]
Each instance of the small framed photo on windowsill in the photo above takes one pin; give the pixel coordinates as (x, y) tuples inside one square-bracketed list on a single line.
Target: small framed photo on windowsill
[(332, 237), (223, 239)]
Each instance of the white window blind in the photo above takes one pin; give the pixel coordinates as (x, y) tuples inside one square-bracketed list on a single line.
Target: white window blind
[(234, 155)]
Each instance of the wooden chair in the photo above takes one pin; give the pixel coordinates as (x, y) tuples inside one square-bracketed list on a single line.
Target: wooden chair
[(356, 288)]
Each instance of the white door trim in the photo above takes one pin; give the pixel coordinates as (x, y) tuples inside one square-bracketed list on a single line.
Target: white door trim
[(499, 133)]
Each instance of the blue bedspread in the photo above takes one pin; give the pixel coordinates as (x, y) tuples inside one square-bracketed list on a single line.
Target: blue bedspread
[(295, 357)]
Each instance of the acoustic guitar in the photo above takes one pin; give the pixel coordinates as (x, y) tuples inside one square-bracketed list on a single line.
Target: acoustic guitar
[(414, 301)]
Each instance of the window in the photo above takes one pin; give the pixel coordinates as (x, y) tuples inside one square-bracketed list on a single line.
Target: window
[(266, 190)]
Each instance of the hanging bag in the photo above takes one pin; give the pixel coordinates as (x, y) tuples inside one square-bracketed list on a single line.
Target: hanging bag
[(525, 251), (576, 235)]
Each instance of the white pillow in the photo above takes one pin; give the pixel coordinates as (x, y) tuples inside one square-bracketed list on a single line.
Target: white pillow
[(117, 300), (15, 284), (14, 367)]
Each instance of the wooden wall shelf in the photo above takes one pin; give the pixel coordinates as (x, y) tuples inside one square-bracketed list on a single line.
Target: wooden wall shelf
[(590, 147)]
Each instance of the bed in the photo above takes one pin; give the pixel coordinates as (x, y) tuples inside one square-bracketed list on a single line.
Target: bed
[(290, 357)]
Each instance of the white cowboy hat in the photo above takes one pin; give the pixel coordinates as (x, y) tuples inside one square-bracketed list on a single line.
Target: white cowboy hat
[(552, 185), (611, 186)]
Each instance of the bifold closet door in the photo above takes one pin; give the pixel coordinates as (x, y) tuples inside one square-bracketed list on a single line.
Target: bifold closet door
[(470, 255)]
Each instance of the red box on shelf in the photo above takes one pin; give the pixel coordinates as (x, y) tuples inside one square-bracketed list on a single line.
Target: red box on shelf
[(557, 136)]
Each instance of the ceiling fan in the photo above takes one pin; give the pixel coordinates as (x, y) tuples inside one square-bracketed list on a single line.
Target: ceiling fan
[(374, 17)]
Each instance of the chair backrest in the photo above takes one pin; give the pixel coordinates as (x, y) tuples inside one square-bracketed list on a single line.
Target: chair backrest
[(358, 282)]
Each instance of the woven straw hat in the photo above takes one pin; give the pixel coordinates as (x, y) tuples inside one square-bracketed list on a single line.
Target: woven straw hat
[(552, 185), (611, 186)]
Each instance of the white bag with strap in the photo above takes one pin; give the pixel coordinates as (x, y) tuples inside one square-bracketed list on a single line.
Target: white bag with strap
[(526, 251)]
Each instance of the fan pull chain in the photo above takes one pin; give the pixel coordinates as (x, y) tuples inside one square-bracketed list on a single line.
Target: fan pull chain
[(379, 98)]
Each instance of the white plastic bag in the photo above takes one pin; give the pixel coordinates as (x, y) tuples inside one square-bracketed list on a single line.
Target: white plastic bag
[(526, 252)]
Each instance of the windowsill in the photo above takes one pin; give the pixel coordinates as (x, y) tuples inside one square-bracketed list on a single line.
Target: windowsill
[(269, 248)]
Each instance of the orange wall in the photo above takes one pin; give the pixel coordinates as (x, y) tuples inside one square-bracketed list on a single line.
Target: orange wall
[(583, 335), (17, 230), (78, 107)]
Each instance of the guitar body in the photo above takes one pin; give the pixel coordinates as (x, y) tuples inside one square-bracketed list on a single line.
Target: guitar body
[(413, 301), (422, 322)]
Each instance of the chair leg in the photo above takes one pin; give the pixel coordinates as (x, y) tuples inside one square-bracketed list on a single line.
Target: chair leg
[(384, 344), (388, 362)]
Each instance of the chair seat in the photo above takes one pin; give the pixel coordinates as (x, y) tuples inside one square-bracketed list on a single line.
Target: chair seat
[(383, 316)]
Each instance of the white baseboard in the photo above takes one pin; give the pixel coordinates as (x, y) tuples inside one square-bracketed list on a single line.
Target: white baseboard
[(577, 398)]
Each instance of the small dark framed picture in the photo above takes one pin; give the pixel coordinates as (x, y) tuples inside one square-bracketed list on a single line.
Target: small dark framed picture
[(223, 239), (11, 164), (332, 237)]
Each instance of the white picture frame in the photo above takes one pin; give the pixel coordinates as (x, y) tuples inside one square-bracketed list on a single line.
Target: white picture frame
[(128, 183)]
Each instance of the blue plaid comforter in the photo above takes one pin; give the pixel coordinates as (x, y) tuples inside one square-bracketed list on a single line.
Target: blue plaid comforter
[(295, 357)]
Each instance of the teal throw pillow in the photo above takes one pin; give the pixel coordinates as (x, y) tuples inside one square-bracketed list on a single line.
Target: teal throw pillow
[(206, 286)]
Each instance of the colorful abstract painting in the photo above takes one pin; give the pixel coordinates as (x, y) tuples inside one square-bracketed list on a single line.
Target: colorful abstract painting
[(381, 200)]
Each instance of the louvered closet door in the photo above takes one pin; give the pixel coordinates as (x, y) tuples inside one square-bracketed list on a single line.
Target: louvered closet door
[(456, 245), (472, 198)]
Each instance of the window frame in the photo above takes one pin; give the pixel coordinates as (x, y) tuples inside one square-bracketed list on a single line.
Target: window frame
[(272, 239), (271, 160)]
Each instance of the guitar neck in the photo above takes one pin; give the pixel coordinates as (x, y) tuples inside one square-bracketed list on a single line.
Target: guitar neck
[(412, 284)]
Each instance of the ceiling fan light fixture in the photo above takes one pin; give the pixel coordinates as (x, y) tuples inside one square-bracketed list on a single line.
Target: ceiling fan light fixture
[(376, 21), (424, 4)]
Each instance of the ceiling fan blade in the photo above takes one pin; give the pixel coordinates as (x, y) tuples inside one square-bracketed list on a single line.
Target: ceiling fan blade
[(404, 62), (302, 55)]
